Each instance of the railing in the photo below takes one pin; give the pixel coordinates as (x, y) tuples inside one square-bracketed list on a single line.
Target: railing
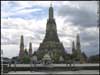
[(50, 67)]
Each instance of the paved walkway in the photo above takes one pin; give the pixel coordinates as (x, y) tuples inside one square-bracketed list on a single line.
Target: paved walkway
[(81, 72)]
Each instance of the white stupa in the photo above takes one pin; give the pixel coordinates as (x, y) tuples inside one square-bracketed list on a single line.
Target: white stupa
[(47, 57)]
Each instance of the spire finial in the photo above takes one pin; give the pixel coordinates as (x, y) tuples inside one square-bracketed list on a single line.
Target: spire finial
[(50, 11), (51, 4)]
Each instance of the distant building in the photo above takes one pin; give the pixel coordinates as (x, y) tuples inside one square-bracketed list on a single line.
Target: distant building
[(23, 51), (5, 60), (74, 52), (77, 54), (83, 58)]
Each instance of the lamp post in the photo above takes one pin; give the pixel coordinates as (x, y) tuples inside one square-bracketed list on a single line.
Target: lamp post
[(1, 61), (31, 62), (15, 65)]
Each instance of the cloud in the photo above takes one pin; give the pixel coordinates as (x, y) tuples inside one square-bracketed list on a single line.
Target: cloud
[(10, 50), (80, 16), (14, 28), (90, 40), (30, 17), (92, 34), (20, 9)]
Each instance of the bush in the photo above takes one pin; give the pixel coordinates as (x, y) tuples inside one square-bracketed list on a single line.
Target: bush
[(26, 59)]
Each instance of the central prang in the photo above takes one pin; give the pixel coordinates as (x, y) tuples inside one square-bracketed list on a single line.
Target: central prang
[(51, 44)]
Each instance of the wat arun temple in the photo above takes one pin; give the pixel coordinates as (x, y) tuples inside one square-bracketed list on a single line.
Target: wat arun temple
[(51, 47)]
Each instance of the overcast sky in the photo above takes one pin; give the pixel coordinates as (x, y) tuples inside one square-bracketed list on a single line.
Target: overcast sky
[(29, 18)]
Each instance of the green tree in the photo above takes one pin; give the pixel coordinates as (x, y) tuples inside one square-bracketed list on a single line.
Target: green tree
[(26, 59)]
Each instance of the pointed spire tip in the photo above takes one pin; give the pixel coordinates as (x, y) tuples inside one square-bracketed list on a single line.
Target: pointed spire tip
[(51, 4)]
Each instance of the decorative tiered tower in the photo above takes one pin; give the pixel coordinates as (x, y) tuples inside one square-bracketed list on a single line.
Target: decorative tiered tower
[(77, 55), (30, 49), (21, 53), (78, 48), (51, 43), (73, 48)]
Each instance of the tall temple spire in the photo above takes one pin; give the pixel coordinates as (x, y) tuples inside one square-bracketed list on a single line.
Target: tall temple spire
[(78, 42), (30, 49), (51, 4), (78, 47), (51, 29), (51, 12), (73, 47), (51, 43), (21, 53)]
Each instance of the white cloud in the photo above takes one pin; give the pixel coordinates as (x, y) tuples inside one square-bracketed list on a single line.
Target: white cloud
[(18, 7), (10, 50)]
